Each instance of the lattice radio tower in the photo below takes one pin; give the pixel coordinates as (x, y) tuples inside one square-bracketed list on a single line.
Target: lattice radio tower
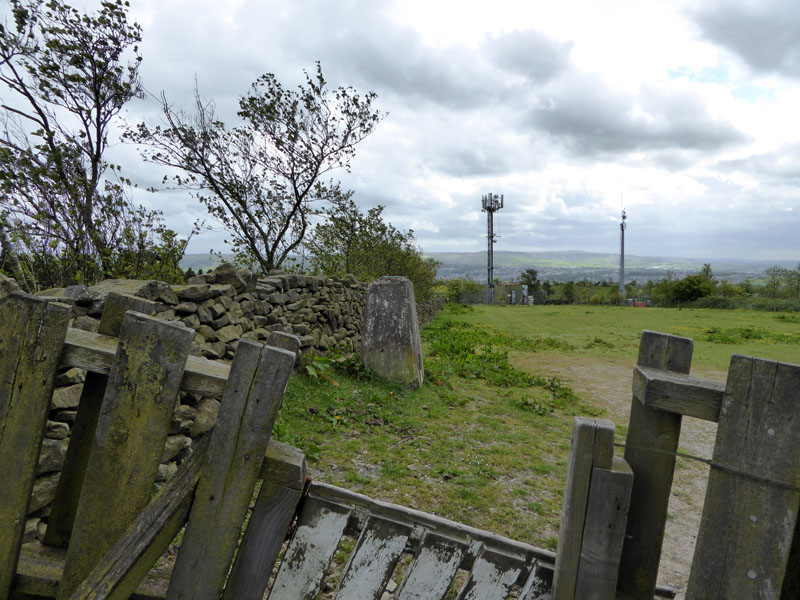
[(491, 203)]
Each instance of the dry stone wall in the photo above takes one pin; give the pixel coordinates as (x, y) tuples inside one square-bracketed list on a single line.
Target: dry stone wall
[(222, 306), (227, 305)]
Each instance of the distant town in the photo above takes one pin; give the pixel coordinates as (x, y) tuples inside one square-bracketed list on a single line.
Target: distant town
[(565, 266)]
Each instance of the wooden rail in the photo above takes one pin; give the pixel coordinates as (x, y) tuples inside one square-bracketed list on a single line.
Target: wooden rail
[(95, 352)]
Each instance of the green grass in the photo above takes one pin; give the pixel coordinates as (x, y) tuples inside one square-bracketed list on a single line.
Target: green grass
[(612, 332), (485, 440)]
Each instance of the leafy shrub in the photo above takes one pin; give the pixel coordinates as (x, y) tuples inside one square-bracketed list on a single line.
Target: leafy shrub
[(716, 302), (468, 351), (456, 308)]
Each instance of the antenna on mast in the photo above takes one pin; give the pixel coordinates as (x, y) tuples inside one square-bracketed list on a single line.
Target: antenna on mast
[(491, 203), (622, 226)]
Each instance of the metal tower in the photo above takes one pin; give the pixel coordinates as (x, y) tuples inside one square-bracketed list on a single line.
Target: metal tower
[(622, 254), (491, 203)]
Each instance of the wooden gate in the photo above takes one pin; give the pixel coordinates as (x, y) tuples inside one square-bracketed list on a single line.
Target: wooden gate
[(748, 544), (105, 532), (106, 529)]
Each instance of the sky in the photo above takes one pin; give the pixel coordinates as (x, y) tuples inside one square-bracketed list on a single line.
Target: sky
[(684, 113)]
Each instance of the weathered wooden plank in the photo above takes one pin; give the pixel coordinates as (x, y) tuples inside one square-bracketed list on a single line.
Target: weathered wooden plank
[(491, 578), (649, 450), (604, 531), (375, 556), (458, 531), (133, 425), (284, 474), (287, 341), (95, 352), (284, 465), (752, 499), (31, 335), (40, 569), (678, 393), (120, 572), (266, 532), (539, 584), (592, 442), (250, 404), (433, 568), (310, 552), (65, 505), (603, 454), (791, 581)]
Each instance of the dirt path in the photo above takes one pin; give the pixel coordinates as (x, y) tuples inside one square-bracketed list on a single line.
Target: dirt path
[(608, 385)]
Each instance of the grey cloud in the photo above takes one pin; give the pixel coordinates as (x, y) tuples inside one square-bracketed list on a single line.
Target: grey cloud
[(530, 54), (590, 119), (361, 41), (765, 34), (471, 162), (779, 167)]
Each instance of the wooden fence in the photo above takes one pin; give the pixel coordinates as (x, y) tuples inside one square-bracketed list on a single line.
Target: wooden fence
[(105, 532), (748, 545)]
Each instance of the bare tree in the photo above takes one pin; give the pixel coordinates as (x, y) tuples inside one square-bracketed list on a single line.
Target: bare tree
[(262, 180), (67, 74)]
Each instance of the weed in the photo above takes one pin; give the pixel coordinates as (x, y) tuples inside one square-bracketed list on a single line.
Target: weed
[(598, 343), (319, 367), (537, 507), (350, 364), (787, 318), (534, 406), (481, 352), (455, 308), (740, 335)]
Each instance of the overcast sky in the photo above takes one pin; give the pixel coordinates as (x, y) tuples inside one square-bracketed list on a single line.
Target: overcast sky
[(685, 113)]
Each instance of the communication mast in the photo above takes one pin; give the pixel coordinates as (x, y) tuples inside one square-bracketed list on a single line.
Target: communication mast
[(491, 203), (622, 226)]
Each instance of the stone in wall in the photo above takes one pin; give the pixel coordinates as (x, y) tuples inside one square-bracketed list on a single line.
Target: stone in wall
[(7, 285)]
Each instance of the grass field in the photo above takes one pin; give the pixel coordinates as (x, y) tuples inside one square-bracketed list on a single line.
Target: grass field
[(610, 332), (485, 440)]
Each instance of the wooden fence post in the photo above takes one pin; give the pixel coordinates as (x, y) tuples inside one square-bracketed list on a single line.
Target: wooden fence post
[(604, 531), (753, 494), (129, 439), (62, 514), (593, 515), (250, 403), (650, 451), (31, 337), (120, 572), (275, 508)]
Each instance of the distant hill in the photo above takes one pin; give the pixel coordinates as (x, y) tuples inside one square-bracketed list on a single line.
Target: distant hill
[(564, 266), (203, 261), (577, 265)]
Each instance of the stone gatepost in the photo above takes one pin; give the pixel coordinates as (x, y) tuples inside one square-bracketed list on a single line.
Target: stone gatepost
[(390, 344)]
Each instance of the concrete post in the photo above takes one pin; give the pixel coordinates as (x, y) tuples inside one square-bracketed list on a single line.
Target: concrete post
[(390, 344)]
